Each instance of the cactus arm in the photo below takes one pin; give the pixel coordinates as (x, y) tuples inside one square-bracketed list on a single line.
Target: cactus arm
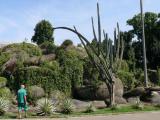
[(93, 28)]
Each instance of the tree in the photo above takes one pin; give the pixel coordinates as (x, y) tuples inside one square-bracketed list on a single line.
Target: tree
[(152, 35), (67, 43), (129, 52), (43, 32)]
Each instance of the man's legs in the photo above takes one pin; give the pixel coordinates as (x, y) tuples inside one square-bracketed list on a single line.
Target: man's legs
[(25, 110), (19, 114)]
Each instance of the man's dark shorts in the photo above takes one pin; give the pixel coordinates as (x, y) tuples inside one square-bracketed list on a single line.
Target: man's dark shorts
[(22, 106)]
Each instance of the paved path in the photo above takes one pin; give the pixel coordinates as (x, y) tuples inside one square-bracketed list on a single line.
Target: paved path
[(136, 116)]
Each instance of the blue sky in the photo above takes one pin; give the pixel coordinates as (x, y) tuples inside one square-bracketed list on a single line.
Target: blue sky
[(19, 17)]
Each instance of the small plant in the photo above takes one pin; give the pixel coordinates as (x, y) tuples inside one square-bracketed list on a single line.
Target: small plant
[(67, 106), (115, 107), (4, 106), (90, 108), (138, 105), (45, 107)]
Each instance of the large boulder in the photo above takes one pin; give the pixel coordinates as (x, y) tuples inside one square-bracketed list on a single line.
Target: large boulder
[(155, 98), (137, 92), (100, 92)]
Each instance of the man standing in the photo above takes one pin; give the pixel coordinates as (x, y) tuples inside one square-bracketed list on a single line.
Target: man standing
[(22, 101)]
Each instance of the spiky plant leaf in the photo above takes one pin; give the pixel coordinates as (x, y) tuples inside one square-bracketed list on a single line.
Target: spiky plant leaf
[(67, 106), (4, 106), (45, 107)]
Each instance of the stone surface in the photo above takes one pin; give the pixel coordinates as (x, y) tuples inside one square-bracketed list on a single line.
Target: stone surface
[(99, 93)]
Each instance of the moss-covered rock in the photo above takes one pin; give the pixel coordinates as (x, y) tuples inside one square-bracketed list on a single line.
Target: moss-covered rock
[(29, 48), (35, 93), (14, 55)]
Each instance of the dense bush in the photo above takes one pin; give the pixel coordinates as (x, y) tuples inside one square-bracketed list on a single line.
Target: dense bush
[(67, 43), (127, 79), (4, 57), (35, 93), (53, 65), (71, 66), (3, 82), (29, 48), (5, 93), (90, 75), (48, 47), (124, 66), (46, 78)]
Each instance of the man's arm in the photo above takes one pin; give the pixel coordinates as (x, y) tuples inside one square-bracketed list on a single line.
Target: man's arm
[(25, 99)]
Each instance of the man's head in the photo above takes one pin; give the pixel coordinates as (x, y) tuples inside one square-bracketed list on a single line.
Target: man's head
[(22, 86)]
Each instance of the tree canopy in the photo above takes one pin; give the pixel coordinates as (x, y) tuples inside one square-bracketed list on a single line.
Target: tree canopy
[(43, 32), (152, 34)]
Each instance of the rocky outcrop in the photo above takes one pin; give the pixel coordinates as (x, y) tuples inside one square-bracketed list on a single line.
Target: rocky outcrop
[(101, 92)]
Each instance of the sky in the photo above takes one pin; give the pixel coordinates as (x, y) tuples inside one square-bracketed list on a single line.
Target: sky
[(19, 17)]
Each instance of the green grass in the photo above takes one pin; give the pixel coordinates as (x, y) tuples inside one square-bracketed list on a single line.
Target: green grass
[(124, 109), (105, 111)]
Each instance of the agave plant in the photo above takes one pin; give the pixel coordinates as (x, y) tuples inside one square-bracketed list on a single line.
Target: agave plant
[(45, 106), (67, 106), (90, 108), (4, 106)]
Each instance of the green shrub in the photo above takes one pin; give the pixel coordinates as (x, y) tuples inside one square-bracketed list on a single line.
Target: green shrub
[(67, 106), (4, 57), (138, 106), (71, 66), (29, 48), (53, 65), (3, 82), (124, 66), (48, 47), (48, 79), (90, 108), (4, 106), (115, 107), (5, 93), (45, 107), (67, 43), (35, 93), (127, 79)]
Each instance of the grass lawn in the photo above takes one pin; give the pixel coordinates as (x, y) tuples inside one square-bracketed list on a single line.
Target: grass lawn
[(105, 111)]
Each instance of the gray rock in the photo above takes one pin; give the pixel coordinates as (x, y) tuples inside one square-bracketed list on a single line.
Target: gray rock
[(99, 93), (133, 100)]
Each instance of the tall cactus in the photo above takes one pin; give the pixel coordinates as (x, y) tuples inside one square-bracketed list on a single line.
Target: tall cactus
[(103, 61)]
